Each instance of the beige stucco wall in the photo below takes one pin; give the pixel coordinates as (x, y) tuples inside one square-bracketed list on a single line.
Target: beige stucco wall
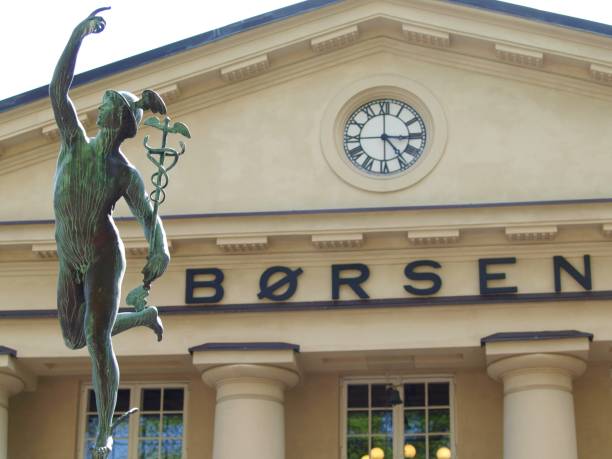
[(495, 123), (44, 423), (478, 415), (312, 413), (593, 399), (313, 416), (514, 134)]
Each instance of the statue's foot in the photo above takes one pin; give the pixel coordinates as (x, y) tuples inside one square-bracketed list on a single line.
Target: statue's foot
[(155, 322), (103, 448)]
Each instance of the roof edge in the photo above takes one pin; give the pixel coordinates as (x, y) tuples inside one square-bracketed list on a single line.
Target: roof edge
[(296, 9), (533, 14), (171, 49)]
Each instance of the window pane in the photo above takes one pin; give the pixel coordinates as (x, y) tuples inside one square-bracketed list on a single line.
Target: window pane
[(357, 447), (439, 420), (379, 395), (120, 450), (171, 449), (91, 405), (438, 394), (149, 425), (385, 443), (148, 449), (382, 421), (88, 445), (92, 425), (419, 446), (121, 430), (436, 442), (173, 399), (151, 399), (414, 421), (358, 396), (123, 401), (357, 422), (414, 394), (173, 425)]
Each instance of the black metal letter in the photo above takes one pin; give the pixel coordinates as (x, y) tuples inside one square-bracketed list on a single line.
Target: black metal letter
[(193, 284), (352, 282), (289, 279), (561, 263), (485, 276), (410, 273)]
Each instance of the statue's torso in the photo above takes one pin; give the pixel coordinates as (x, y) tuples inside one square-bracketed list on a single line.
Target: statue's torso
[(87, 185)]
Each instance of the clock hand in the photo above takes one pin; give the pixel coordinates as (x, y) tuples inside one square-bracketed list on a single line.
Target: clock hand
[(397, 152), (403, 137), (384, 134)]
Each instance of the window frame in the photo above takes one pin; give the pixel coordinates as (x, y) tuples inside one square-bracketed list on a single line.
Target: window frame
[(398, 420), (135, 388)]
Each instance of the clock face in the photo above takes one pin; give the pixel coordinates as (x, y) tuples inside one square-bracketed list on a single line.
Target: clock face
[(384, 137)]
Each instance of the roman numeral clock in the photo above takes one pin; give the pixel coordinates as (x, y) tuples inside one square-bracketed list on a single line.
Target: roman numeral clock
[(384, 137), (383, 133)]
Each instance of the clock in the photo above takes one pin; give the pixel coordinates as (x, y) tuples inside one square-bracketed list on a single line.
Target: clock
[(384, 137)]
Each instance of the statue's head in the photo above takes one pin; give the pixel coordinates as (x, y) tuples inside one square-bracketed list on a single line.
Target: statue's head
[(123, 111)]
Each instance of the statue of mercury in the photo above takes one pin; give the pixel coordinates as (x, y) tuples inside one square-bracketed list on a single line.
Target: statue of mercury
[(91, 176)]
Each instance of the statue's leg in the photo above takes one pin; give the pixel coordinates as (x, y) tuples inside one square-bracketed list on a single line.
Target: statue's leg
[(102, 290), (148, 317), (71, 308)]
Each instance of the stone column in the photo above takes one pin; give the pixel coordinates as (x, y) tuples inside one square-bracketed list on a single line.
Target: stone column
[(250, 380), (13, 380), (537, 373), (250, 412), (9, 385)]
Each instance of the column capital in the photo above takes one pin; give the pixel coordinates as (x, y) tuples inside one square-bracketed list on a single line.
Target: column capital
[(536, 370), (13, 377), (566, 342), (531, 360), (218, 375), (266, 354)]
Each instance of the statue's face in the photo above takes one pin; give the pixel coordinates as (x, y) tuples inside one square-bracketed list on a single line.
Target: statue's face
[(109, 112)]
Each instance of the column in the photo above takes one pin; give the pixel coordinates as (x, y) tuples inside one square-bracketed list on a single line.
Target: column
[(13, 380), (250, 380), (537, 372), (9, 386), (250, 412)]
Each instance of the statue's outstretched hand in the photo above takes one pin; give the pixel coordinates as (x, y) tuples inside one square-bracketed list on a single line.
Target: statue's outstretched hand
[(93, 23), (157, 262)]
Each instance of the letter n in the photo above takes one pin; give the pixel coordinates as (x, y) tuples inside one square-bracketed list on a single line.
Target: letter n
[(560, 263)]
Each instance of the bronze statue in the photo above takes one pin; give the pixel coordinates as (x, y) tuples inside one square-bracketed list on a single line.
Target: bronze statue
[(91, 176)]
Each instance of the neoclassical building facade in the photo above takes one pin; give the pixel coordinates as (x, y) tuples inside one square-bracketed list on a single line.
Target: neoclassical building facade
[(390, 237)]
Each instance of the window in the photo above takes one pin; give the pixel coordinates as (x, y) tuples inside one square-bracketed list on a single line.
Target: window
[(156, 431), (412, 419)]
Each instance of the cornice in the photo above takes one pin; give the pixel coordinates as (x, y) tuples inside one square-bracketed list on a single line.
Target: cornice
[(379, 244), (338, 28), (396, 256)]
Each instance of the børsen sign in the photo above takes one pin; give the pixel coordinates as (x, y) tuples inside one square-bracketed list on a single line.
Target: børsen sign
[(423, 278)]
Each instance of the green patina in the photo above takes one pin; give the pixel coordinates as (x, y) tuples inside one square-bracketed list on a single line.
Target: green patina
[(91, 176)]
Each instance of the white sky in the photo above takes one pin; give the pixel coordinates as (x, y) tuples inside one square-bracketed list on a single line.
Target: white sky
[(33, 32)]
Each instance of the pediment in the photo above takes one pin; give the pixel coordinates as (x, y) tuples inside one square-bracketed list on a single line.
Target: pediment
[(453, 34)]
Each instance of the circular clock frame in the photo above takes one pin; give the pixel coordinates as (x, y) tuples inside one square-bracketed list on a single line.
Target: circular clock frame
[(359, 93)]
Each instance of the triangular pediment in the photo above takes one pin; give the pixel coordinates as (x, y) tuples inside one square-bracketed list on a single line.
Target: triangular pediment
[(232, 87)]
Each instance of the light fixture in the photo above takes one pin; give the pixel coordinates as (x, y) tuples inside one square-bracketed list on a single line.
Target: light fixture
[(393, 396), (443, 453), (365, 456), (409, 451), (377, 453)]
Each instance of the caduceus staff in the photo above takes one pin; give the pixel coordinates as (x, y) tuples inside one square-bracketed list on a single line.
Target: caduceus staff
[(158, 156)]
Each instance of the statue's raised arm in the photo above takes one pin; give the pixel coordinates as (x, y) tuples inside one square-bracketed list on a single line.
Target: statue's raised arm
[(63, 109)]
